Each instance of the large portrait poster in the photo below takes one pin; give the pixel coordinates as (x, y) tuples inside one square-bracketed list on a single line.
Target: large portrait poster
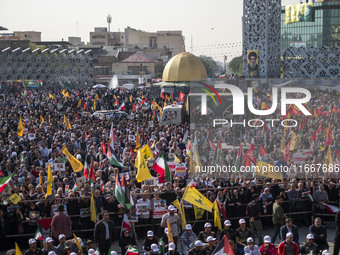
[(142, 209), (159, 208), (253, 63)]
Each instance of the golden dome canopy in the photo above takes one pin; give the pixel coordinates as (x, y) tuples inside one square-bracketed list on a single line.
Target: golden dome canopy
[(184, 67)]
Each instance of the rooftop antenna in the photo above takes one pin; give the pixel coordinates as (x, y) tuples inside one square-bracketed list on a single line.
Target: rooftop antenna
[(109, 20)]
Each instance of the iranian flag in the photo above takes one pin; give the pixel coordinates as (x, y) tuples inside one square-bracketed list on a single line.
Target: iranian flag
[(38, 236), (309, 196), (132, 251), (92, 176), (125, 224), (223, 247), (212, 145), (191, 183), (4, 181), (1, 173), (113, 158), (122, 107), (86, 171), (119, 193), (103, 148), (331, 208), (239, 157), (161, 167)]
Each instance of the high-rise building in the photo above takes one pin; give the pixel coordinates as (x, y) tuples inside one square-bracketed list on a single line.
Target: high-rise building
[(323, 31)]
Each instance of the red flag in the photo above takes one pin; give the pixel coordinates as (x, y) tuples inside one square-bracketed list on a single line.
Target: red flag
[(335, 110), (131, 151), (181, 97), (314, 136), (86, 137), (287, 152), (134, 107), (162, 95), (84, 106), (319, 129), (104, 148), (92, 174), (263, 151), (212, 145), (1, 173), (143, 101), (86, 171), (329, 136)]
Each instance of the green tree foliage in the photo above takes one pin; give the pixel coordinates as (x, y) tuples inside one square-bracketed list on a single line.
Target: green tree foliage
[(212, 68), (236, 66)]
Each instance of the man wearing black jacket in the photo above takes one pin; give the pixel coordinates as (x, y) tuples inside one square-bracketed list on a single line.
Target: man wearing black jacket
[(104, 234), (337, 234), (254, 212)]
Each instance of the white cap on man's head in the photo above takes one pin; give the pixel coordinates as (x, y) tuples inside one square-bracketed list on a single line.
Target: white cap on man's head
[(52, 253), (114, 253), (166, 231), (32, 240), (73, 253), (241, 221), (267, 239), (188, 227), (91, 252), (150, 233), (199, 244), (289, 234), (310, 236), (154, 247), (250, 240), (171, 208), (48, 240), (210, 238), (207, 225), (172, 246), (227, 223), (61, 236)]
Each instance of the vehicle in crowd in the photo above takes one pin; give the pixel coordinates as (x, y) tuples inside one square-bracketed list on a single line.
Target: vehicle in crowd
[(109, 114)]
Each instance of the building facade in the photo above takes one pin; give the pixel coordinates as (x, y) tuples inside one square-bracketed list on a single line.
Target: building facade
[(323, 31), (28, 35), (102, 37)]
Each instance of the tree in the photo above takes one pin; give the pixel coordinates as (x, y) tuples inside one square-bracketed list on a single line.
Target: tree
[(236, 65), (212, 68)]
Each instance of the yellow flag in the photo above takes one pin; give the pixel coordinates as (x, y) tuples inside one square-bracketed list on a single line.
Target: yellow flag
[(137, 140), (267, 170), (49, 180), (192, 195), (199, 212), (329, 160), (77, 166), (41, 119), (93, 209), (184, 220), (49, 119), (79, 102), (114, 97), (67, 95), (77, 242), (177, 161), (94, 105), (217, 218), (63, 92), (20, 128), (295, 139), (283, 145), (15, 198), (143, 173), (17, 250), (171, 239), (176, 204), (68, 125), (146, 152), (131, 98), (97, 98), (50, 96), (164, 105)]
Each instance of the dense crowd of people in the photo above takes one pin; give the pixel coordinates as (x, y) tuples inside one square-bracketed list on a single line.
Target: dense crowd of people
[(244, 201)]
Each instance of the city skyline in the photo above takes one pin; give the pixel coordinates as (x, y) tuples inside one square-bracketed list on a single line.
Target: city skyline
[(213, 30)]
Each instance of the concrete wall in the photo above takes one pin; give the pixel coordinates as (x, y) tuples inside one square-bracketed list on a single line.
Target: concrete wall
[(28, 35)]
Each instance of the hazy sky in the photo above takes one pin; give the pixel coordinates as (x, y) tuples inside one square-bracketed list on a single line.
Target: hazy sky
[(213, 25)]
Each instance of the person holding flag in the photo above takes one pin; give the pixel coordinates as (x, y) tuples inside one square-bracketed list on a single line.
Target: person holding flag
[(174, 221)]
